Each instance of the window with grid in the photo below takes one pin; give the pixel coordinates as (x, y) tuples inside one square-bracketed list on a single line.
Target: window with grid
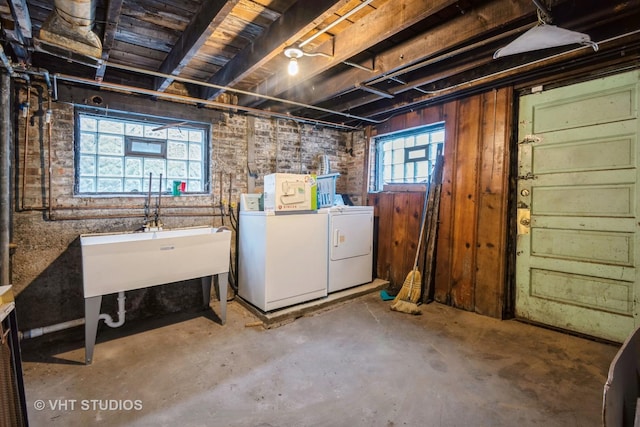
[(409, 156), (125, 154)]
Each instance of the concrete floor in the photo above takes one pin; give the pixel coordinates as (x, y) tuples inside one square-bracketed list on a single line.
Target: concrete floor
[(355, 364)]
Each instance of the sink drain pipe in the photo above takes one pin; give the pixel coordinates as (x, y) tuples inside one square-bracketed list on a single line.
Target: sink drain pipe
[(108, 320)]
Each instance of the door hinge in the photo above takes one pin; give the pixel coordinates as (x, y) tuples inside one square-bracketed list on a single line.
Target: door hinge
[(528, 176), (530, 139)]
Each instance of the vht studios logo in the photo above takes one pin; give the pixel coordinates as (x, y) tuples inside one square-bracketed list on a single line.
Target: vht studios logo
[(88, 405)]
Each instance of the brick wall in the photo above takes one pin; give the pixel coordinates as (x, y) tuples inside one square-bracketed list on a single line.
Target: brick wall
[(46, 265)]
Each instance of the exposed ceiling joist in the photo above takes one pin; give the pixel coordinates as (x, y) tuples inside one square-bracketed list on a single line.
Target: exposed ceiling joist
[(201, 27), (476, 23), (21, 34), (298, 20), (389, 19), (111, 25)]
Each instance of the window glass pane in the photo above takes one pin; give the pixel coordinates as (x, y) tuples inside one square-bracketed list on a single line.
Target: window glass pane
[(176, 169), (422, 139), (422, 170), (149, 132), (387, 146), (133, 186), (409, 171), (196, 136), (194, 185), (133, 167), (110, 126), (437, 136), (398, 143), (87, 185), (88, 124), (87, 166), (110, 144), (409, 141), (110, 166), (398, 157), (387, 158), (195, 170), (177, 134), (134, 129), (195, 151), (142, 147), (155, 166), (87, 143), (109, 185), (387, 174), (398, 173), (177, 150)]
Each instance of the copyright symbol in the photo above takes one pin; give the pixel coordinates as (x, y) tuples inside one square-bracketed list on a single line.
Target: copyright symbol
[(39, 405)]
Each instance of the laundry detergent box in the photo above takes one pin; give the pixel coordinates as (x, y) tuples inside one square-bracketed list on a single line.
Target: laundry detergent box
[(289, 192)]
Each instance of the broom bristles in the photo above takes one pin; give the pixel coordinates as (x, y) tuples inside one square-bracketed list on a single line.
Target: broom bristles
[(410, 292), (405, 307)]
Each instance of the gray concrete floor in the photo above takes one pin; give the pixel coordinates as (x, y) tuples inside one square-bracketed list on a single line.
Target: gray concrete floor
[(355, 364)]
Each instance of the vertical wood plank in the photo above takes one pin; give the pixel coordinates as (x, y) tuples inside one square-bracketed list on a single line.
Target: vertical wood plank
[(442, 290), (492, 212), (465, 199), (402, 239), (385, 233)]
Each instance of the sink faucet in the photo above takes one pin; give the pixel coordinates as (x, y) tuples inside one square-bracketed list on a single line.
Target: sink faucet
[(155, 223)]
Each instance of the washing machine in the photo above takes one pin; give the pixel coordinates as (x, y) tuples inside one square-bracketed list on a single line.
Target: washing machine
[(282, 258), (350, 260)]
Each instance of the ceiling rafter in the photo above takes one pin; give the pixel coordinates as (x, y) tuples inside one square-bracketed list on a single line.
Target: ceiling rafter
[(298, 20), (112, 18), (441, 39), (21, 35), (201, 27), (375, 27)]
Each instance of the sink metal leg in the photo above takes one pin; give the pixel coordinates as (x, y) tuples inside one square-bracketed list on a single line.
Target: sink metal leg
[(206, 290), (223, 281), (91, 319)]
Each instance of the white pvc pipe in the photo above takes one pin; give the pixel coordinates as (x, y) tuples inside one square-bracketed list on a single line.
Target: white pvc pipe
[(36, 332), (108, 320)]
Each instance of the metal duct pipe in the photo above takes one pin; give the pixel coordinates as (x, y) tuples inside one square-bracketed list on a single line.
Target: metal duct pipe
[(69, 27), (5, 177)]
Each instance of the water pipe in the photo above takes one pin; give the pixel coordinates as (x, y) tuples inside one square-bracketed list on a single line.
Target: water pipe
[(108, 320)]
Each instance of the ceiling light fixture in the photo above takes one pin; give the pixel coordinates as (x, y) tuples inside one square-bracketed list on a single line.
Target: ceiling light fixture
[(293, 53)]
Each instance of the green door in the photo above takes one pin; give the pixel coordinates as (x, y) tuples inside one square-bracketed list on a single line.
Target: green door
[(578, 225)]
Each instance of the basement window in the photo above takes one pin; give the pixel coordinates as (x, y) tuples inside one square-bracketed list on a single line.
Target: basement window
[(116, 152), (407, 157)]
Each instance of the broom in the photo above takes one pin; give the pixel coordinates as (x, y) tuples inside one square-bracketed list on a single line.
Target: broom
[(409, 294)]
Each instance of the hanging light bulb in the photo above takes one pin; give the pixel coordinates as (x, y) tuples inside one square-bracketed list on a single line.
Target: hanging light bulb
[(293, 67), (293, 53)]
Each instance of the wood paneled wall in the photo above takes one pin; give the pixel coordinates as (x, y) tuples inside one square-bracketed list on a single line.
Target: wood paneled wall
[(471, 253)]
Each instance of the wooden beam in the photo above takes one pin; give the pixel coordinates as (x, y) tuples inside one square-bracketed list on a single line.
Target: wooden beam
[(112, 18), (386, 21), (296, 21), (21, 34), (211, 15), (482, 20), (20, 13)]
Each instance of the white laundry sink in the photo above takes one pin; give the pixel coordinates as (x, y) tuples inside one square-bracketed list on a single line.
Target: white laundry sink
[(124, 261)]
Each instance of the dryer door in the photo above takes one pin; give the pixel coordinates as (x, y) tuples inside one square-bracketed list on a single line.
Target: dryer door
[(350, 235)]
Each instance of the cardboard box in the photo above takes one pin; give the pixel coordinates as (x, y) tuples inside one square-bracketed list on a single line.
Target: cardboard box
[(288, 192)]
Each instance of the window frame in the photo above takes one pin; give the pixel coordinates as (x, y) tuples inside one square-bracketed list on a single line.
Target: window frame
[(143, 119), (381, 140)]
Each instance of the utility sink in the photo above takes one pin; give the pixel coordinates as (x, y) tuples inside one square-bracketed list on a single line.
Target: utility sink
[(125, 261)]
